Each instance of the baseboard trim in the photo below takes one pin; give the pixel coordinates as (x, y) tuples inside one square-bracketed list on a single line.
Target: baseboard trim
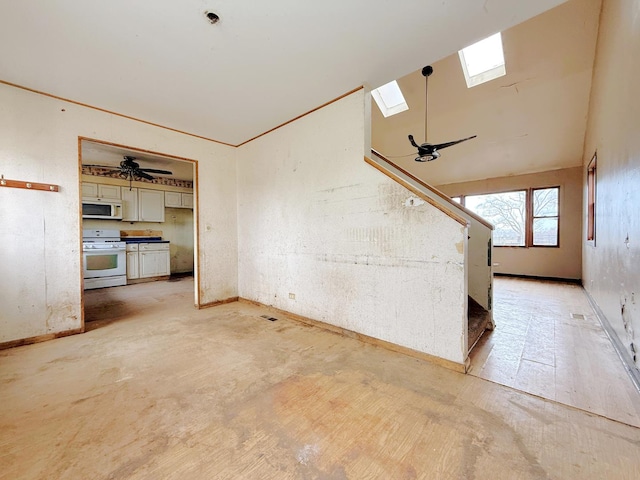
[(458, 367), (217, 302), (39, 338), (576, 281), (623, 354)]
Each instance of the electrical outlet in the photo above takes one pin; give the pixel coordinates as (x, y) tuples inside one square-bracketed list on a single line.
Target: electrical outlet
[(292, 296)]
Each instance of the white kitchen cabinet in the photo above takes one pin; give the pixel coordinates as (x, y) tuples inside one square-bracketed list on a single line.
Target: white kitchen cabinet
[(129, 204), (187, 200), (133, 271), (99, 190), (172, 199), (89, 190), (154, 259), (150, 205), (110, 192), (178, 200)]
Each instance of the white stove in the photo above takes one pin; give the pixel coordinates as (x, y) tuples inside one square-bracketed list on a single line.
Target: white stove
[(104, 259)]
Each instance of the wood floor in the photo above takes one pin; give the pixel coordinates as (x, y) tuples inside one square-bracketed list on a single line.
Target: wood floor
[(548, 342), (158, 390)]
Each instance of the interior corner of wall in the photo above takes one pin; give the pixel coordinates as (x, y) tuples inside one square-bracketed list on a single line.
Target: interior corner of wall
[(367, 118)]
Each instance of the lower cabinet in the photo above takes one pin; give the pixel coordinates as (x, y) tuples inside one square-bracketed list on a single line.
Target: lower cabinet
[(148, 260), (133, 271), (154, 261)]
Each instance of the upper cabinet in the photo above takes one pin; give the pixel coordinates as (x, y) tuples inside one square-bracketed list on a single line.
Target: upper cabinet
[(138, 204), (178, 200), (150, 205), (98, 190), (129, 204)]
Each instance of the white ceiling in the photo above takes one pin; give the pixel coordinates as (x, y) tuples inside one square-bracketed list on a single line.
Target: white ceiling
[(531, 120), (263, 64)]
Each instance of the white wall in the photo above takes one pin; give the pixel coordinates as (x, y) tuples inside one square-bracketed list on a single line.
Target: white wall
[(611, 266), (315, 220), (40, 267)]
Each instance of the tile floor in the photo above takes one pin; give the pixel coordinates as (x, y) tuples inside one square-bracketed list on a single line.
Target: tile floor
[(549, 342)]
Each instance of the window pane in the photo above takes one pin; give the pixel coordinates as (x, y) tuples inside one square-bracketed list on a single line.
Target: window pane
[(545, 231), (506, 211), (545, 202), (456, 199), (389, 99), (483, 61), (484, 55)]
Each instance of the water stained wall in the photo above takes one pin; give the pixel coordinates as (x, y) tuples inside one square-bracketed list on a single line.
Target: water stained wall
[(324, 235), (41, 276), (610, 263)]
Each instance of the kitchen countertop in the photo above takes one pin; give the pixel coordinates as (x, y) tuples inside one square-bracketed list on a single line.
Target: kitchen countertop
[(144, 240)]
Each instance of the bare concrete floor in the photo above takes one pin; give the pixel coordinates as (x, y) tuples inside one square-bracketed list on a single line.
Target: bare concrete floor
[(549, 342), (164, 391)]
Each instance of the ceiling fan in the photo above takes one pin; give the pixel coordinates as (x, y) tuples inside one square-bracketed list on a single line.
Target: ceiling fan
[(130, 170), (429, 151)]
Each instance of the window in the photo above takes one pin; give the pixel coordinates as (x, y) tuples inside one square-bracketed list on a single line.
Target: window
[(544, 227), (506, 211), (483, 61), (591, 199), (457, 199), (389, 99), (522, 218)]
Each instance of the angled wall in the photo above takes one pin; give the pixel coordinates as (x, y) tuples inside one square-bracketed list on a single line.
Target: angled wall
[(355, 249)]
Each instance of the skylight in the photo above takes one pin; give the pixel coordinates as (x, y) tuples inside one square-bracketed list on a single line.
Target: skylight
[(389, 99), (483, 61)]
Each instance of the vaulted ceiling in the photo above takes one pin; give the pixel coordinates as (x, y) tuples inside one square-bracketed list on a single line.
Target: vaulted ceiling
[(262, 64), (530, 120)]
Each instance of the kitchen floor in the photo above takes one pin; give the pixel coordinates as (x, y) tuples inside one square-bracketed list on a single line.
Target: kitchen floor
[(158, 389), (549, 342)]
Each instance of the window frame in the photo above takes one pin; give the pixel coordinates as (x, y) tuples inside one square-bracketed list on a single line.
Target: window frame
[(499, 70), (528, 214), (531, 218), (592, 183), (389, 110)]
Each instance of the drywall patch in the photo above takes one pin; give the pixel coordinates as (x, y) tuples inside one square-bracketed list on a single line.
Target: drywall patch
[(413, 202)]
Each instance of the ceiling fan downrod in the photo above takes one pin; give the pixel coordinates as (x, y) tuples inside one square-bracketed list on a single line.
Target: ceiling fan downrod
[(426, 72)]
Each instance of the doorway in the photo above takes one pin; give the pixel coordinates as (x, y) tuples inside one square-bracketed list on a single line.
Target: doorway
[(153, 216)]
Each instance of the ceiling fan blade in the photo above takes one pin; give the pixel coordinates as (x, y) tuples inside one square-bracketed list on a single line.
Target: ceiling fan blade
[(139, 173), (449, 144), (153, 170)]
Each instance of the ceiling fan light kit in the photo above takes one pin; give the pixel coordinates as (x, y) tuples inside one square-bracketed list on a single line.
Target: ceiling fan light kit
[(428, 151)]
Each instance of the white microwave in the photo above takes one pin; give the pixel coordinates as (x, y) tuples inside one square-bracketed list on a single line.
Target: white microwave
[(98, 208)]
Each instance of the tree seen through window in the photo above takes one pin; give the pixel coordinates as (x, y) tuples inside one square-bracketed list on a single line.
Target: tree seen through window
[(520, 218)]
